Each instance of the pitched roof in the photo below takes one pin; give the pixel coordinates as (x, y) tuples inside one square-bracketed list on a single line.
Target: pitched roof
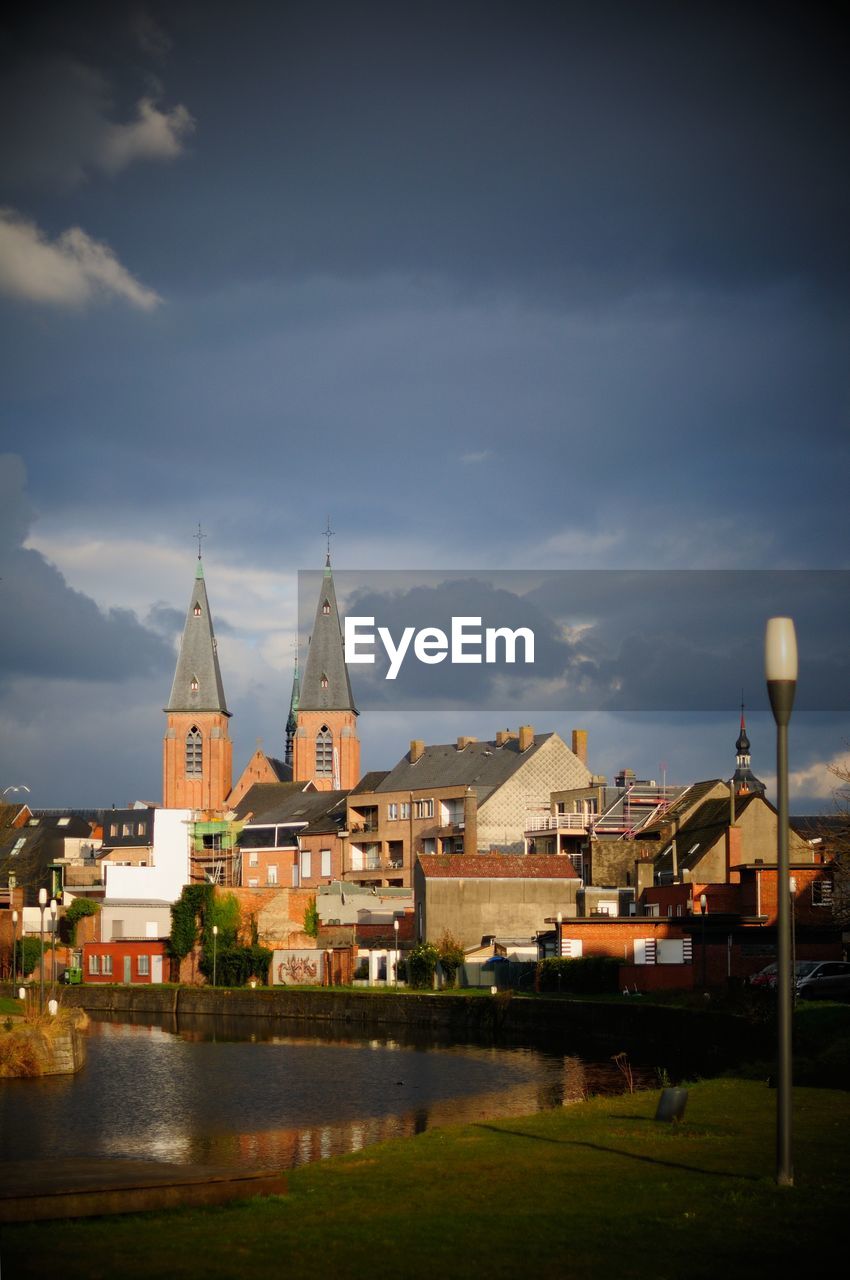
[(197, 678), (319, 810), (326, 686), (482, 765), (264, 795), (280, 768), (371, 781), (496, 866), (703, 829)]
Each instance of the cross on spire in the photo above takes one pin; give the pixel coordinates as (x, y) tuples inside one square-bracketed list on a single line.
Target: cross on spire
[(329, 533), (199, 535)]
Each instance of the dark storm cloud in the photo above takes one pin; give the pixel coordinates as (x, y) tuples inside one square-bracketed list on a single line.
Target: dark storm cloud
[(604, 640), (51, 631)]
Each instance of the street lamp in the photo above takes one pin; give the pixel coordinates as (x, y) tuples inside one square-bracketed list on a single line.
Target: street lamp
[(559, 918), (792, 887), (703, 907), (780, 664), (53, 910), (15, 949), (395, 931), (42, 903), (215, 949)]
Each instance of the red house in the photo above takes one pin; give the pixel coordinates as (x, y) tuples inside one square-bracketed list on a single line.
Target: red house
[(126, 960)]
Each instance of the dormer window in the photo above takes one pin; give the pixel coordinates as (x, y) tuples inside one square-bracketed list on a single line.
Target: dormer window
[(326, 607), (197, 610), (324, 681), (194, 686)]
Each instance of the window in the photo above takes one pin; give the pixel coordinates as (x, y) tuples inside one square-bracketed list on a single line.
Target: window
[(253, 882), (429, 846), (326, 607), (423, 808), (194, 753), (19, 844), (326, 862), (271, 874), (324, 681), (144, 966), (306, 864), (194, 686), (113, 829), (197, 610), (125, 828), (392, 812), (94, 964), (141, 828), (324, 752), (404, 810), (254, 860), (107, 966), (822, 893)]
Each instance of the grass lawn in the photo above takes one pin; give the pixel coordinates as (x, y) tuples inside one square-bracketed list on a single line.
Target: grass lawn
[(10, 1005), (594, 1190)]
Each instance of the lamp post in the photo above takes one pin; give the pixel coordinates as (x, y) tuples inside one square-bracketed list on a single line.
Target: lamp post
[(780, 663), (792, 889), (215, 949), (42, 903), (53, 910), (395, 931), (703, 907), (15, 948), (558, 920)]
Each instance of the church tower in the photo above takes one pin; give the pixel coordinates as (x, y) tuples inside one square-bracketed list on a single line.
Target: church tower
[(326, 747), (292, 718), (744, 781), (197, 751)]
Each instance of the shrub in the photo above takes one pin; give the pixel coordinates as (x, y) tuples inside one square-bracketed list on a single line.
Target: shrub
[(78, 909), (235, 965), (311, 919), (451, 956), (421, 964), (29, 955), (588, 975)]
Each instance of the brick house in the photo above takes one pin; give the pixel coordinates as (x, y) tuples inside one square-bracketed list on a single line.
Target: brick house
[(125, 960), (465, 797)]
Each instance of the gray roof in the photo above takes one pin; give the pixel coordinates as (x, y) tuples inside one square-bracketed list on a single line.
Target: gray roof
[(320, 810), (325, 658), (701, 832), (198, 660), (482, 765)]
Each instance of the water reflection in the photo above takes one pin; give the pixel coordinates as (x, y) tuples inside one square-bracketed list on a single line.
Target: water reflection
[(235, 1093)]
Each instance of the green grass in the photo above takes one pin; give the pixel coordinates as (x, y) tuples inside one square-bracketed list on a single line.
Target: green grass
[(586, 1192), (8, 1005)]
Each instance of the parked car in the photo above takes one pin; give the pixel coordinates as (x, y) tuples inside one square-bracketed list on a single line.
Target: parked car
[(813, 979), (823, 980)]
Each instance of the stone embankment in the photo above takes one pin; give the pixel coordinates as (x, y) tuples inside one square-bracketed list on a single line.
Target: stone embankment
[(700, 1040), (45, 1046)]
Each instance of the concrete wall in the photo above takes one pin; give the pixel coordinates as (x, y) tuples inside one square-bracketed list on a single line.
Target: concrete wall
[(471, 909)]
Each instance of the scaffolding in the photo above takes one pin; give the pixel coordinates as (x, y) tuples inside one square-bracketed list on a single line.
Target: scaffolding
[(214, 851)]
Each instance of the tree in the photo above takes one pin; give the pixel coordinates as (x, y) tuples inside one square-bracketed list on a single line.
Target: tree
[(78, 909), (421, 964)]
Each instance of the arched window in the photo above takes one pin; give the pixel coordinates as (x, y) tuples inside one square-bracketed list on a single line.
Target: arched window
[(197, 610), (324, 752), (324, 681), (194, 686), (326, 607), (194, 753)]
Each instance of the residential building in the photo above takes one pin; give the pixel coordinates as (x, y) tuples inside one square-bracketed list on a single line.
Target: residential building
[(466, 797)]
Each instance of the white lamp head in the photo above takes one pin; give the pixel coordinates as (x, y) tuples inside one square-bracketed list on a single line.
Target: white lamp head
[(42, 897), (780, 649)]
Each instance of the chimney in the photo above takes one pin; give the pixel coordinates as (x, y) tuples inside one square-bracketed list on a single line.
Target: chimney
[(526, 736), (464, 742), (417, 747), (580, 745), (503, 737)]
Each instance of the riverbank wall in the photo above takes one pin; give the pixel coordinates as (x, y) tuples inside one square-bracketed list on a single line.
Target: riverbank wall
[(700, 1040), (45, 1048)]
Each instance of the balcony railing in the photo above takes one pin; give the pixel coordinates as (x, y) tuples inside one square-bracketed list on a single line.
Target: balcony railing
[(560, 822)]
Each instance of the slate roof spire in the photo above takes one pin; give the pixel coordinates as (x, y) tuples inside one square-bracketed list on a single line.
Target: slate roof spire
[(744, 780), (326, 686), (197, 679), (292, 718)]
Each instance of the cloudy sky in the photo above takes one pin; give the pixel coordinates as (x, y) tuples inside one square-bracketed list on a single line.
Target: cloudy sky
[(551, 286)]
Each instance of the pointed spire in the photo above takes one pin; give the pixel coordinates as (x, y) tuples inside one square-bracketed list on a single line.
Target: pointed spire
[(326, 686), (292, 718), (197, 678), (744, 781)]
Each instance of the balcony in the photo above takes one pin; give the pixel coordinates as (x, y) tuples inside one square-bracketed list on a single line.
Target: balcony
[(580, 823)]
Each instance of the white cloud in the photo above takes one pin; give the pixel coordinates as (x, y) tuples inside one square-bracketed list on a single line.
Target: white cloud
[(153, 135), (820, 780), (471, 458), (72, 270)]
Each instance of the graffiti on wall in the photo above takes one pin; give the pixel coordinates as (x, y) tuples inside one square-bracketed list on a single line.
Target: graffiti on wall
[(297, 968)]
